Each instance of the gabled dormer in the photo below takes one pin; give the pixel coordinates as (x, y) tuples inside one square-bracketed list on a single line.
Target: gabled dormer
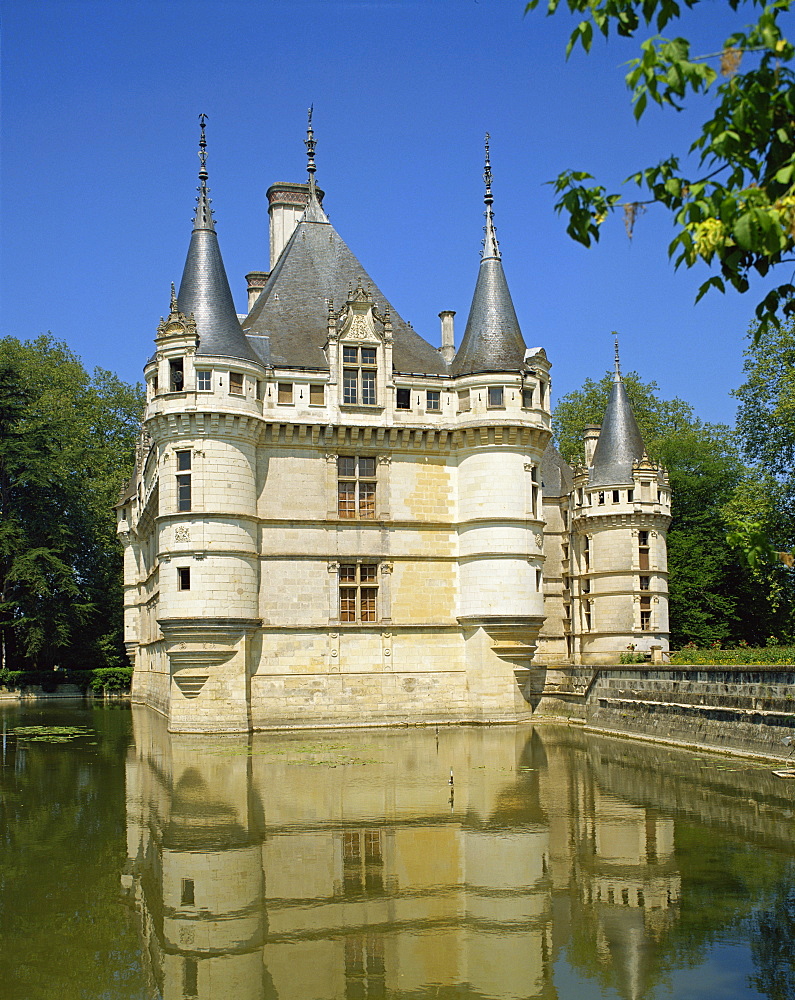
[(359, 350)]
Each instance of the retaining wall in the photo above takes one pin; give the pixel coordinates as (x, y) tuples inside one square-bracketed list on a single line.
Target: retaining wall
[(745, 709)]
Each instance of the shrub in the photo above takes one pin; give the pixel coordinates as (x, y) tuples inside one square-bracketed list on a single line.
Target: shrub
[(107, 679), (764, 655)]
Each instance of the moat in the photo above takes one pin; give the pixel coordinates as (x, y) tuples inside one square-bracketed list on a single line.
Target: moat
[(136, 865)]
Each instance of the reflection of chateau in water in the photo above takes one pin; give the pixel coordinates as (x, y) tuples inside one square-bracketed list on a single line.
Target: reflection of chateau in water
[(256, 878), (259, 870)]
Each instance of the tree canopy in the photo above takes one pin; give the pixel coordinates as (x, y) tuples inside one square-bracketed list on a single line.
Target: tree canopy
[(732, 193), (712, 597), (67, 441)]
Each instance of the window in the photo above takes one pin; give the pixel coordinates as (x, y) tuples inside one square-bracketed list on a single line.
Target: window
[(176, 375), (183, 480), (527, 397), (355, 487), (317, 394), (542, 388), (643, 549), (495, 395), (358, 592), (586, 553), (403, 399), (358, 376), (601, 497), (464, 400), (630, 496), (586, 586), (433, 399), (587, 615), (645, 614), (616, 496), (644, 582), (190, 979), (183, 578), (204, 381), (285, 392), (187, 897), (236, 383)]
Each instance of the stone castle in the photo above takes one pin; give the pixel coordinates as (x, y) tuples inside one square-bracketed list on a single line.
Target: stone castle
[(333, 522)]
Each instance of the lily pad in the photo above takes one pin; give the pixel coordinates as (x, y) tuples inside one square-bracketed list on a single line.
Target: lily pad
[(50, 734)]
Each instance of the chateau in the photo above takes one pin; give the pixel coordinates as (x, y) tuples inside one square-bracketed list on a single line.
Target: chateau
[(333, 522)]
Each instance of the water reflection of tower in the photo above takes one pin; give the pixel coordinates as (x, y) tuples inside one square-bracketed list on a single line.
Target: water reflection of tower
[(195, 848), (615, 880)]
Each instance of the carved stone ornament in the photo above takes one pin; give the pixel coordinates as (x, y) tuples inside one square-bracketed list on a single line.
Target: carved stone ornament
[(386, 568), (182, 534), (333, 567)]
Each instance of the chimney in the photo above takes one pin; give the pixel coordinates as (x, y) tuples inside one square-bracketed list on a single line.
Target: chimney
[(256, 282), (447, 349), (590, 438), (286, 204)]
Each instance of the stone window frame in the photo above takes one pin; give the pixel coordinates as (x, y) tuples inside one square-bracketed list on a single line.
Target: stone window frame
[(358, 591), (433, 400), (285, 393), (464, 400), (495, 397), (402, 397), (357, 502), (183, 578), (382, 583), (315, 389), (184, 490), (236, 384), (359, 375), (200, 373)]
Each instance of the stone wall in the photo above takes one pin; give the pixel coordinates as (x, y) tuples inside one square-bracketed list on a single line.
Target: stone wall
[(745, 709)]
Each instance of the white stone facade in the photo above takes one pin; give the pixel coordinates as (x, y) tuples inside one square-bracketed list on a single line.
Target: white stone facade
[(352, 544)]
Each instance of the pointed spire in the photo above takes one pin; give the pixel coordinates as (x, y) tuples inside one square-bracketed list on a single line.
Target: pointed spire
[(620, 442), (491, 247), (203, 219), (313, 212), (204, 291), (492, 339)]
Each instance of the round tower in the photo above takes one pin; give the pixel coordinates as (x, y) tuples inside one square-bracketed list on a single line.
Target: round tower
[(621, 513)]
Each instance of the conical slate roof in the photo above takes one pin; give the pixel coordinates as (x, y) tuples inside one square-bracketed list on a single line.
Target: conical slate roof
[(288, 323), (204, 290), (492, 339), (620, 442)]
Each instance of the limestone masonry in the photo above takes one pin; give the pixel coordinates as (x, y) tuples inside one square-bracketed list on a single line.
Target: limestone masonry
[(332, 522)]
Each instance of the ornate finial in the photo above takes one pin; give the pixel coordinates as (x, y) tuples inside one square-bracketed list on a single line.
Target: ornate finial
[(310, 144), (617, 376), (204, 214), (174, 306), (203, 148), (491, 247), (487, 173)]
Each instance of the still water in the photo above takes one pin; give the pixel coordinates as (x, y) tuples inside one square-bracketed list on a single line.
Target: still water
[(317, 866)]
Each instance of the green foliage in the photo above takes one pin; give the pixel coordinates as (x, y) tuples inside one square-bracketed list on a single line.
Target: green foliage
[(739, 655), (106, 679), (712, 597), (632, 658), (66, 447), (734, 203)]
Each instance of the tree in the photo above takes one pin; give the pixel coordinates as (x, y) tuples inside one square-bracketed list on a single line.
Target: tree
[(66, 446), (711, 598), (734, 207)]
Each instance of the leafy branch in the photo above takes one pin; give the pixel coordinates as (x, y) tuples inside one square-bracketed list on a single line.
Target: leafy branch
[(738, 217)]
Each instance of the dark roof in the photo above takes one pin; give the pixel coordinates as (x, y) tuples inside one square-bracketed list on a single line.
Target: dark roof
[(492, 339), (557, 479), (620, 442), (288, 323), (204, 291)]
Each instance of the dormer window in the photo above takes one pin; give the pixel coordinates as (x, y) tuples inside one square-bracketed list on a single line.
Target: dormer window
[(359, 376)]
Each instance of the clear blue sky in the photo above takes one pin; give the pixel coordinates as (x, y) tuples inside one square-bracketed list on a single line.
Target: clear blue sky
[(100, 100)]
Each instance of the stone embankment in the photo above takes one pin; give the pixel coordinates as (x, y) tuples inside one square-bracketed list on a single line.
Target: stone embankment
[(741, 709)]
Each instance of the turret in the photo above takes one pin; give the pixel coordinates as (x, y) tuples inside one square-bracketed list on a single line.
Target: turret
[(621, 513)]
